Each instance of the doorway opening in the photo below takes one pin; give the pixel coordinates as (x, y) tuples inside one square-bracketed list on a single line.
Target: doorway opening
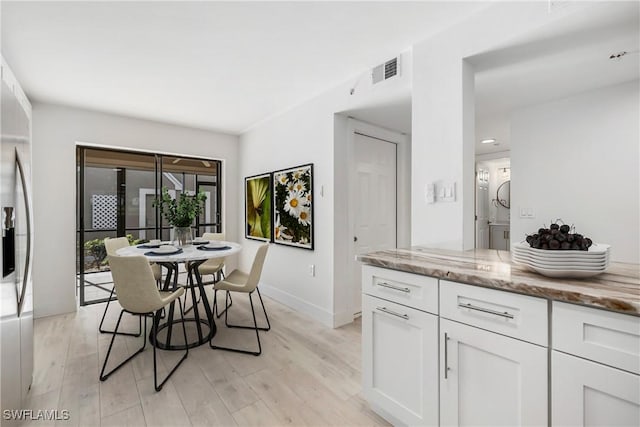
[(116, 190), (493, 203)]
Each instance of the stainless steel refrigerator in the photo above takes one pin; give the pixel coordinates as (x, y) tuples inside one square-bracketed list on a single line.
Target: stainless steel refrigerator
[(16, 295)]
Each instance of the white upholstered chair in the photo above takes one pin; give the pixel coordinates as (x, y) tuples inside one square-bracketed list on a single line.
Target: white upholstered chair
[(139, 295), (213, 266), (112, 245), (238, 281)]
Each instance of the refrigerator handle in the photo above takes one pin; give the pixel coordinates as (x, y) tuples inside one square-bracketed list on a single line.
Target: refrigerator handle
[(27, 207)]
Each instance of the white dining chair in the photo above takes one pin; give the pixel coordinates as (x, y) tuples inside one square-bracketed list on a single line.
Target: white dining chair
[(213, 266), (238, 281), (112, 245), (139, 295)]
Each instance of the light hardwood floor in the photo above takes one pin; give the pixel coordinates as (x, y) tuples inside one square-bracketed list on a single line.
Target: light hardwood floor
[(307, 375)]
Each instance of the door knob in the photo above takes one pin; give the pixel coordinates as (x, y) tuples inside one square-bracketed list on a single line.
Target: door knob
[(355, 238)]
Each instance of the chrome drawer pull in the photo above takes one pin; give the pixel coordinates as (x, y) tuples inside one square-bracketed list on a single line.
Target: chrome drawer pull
[(393, 313), (394, 287), (486, 310), (446, 355)]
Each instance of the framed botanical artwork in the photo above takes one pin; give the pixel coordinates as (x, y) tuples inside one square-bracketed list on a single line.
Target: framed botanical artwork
[(257, 202), (293, 206)]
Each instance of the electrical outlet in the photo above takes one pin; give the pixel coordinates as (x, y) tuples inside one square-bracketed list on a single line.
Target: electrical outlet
[(312, 270)]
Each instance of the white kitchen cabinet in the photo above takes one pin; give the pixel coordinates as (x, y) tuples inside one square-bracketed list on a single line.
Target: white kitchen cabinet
[(400, 361), (585, 393), (490, 379), (594, 367), (499, 237), (437, 352)]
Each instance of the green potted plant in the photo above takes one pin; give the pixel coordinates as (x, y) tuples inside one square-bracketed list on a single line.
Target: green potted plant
[(181, 213)]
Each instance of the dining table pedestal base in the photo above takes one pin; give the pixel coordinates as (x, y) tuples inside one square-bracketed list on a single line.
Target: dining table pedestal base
[(204, 325)]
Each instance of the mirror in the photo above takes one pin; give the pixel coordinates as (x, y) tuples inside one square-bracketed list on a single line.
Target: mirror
[(503, 195)]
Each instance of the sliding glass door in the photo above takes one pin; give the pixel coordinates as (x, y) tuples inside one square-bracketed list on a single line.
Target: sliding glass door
[(116, 191)]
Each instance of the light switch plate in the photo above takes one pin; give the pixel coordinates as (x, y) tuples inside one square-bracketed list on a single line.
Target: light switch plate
[(430, 193), (448, 192), (527, 213)]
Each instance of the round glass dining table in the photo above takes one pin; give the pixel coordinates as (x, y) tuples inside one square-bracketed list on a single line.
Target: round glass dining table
[(192, 256)]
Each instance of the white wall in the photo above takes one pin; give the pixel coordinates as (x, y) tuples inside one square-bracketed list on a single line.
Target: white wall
[(56, 130), (302, 135), (443, 114), (579, 159), (311, 133)]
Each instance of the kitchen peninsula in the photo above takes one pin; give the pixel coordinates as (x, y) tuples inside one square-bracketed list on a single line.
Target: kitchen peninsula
[(458, 337)]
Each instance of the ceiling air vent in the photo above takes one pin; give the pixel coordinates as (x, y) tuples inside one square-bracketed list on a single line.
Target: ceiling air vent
[(385, 71)]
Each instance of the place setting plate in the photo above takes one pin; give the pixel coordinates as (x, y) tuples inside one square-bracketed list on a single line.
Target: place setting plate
[(563, 268), (596, 250), (165, 250), (568, 274), (214, 246), (152, 244), (578, 262)]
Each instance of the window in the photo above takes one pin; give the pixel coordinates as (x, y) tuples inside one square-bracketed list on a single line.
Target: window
[(116, 191)]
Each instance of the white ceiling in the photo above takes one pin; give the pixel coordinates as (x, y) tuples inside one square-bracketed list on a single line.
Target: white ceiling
[(214, 65), (566, 59)]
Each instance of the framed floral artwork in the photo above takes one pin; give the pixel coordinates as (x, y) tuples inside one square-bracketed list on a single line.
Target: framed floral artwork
[(257, 197), (293, 206)]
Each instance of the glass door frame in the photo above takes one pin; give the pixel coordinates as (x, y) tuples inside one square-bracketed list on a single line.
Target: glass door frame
[(122, 229)]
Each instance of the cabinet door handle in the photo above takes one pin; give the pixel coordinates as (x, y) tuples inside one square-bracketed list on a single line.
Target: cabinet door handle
[(446, 355), (394, 287), (486, 310), (393, 313)]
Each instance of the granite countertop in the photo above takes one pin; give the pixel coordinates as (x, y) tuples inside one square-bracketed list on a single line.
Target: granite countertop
[(617, 290)]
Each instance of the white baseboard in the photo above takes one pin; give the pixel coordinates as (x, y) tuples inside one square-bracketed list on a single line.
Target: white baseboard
[(384, 414), (298, 304), (53, 308), (343, 318)]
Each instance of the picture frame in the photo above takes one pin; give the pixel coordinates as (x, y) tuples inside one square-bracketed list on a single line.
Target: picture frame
[(258, 212), (293, 206)]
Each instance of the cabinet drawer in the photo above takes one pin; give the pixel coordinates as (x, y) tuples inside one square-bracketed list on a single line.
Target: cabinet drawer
[(603, 336), (517, 316), (408, 289)]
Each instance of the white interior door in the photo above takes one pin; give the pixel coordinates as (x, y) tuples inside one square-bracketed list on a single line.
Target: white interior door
[(482, 209), (375, 202)]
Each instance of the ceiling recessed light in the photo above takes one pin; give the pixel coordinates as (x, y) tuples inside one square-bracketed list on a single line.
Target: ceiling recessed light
[(488, 141)]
